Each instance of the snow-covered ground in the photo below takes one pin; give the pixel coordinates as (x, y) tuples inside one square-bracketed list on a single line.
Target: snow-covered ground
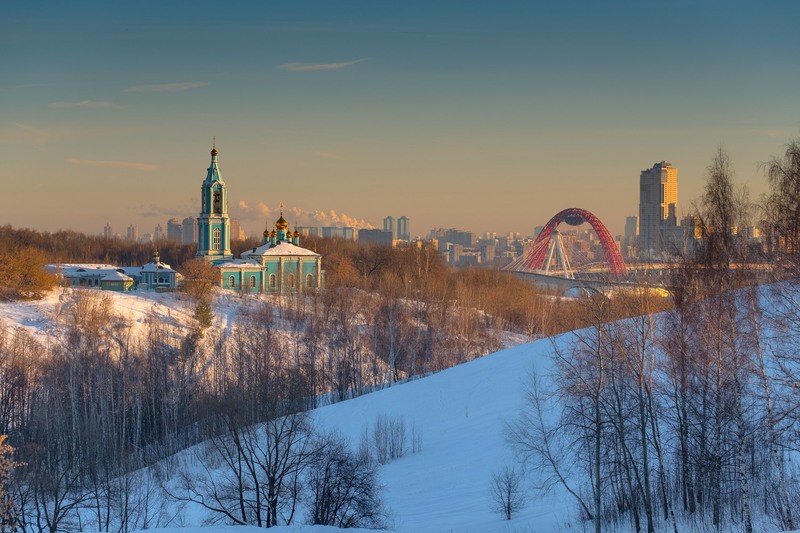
[(459, 415)]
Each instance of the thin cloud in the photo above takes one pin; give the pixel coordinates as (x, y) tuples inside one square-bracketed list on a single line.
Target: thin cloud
[(84, 104), (144, 167), (313, 67), (166, 87)]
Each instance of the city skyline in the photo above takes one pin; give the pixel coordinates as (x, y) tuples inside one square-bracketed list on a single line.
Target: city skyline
[(483, 118)]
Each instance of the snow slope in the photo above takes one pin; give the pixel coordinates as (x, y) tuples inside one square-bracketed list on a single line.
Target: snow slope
[(461, 414)]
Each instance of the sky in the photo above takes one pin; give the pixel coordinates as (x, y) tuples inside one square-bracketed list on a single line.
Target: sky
[(484, 116)]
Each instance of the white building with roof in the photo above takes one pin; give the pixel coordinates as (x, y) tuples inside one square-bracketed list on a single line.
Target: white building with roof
[(153, 275)]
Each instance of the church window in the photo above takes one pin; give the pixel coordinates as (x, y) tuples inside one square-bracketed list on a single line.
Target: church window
[(232, 282), (216, 243), (290, 280), (252, 282), (217, 202), (273, 280), (309, 281)]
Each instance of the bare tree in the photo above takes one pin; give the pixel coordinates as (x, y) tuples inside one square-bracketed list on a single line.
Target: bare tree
[(343, 487), (783, 204), (724, 211), (506, 491)]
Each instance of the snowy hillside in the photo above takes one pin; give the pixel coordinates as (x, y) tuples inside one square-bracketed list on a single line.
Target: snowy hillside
[(455, 421), (459, 416)]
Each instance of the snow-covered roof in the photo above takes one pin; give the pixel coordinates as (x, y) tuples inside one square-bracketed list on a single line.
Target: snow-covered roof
[(283, 248), (240, 263), (156, 267), (76, 270), (116, 276)]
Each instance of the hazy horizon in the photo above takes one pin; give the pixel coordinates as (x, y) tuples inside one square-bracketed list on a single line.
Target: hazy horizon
[(481, 117)]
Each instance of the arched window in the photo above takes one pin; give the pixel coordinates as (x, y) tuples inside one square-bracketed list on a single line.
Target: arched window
[(231, 281), (252, 282), (216, 243), (309, 281), (273, 281), (290, 281)]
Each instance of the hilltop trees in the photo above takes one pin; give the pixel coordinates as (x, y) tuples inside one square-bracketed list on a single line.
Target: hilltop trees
[(783, 203)]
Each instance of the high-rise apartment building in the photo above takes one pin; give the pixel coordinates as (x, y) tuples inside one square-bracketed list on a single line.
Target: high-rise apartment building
[(389, 225), (189, 230), (237, 232), (108, 233), (658, 200), (403, 228), (133, 233), (174, 230), (158, 233)]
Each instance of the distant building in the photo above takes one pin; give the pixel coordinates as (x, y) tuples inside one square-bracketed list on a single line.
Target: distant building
[(158, 233), (403, 228), (389, 225), (133, 233), (174, 230), (631, 227), (237, 232), (375, 236), (455, 236), (305, 231), (658, 200), (331, 232), (628, 244), (108, 233), (188, 230)]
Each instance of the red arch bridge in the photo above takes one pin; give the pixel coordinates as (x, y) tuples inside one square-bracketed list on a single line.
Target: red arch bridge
[(547, 256)]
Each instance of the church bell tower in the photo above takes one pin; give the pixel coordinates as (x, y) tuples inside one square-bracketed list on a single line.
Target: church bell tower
[(213, 224)]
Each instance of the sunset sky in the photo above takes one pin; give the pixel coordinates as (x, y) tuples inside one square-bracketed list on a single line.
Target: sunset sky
[(487, 116)]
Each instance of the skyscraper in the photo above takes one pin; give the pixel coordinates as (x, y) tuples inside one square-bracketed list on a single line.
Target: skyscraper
[(108, 233), (158, 233), (388, 225), (189, 230), (174, 230), (133, 233), (237, 233), (658, 200), (403, 230)]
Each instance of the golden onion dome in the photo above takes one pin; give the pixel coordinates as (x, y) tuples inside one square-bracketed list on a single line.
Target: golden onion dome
[(281, 223), (266, 233), (273, 233), (214, 152), (296, 234)]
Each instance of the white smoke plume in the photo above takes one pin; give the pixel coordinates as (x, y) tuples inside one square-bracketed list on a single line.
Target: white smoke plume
[(297, 216)]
